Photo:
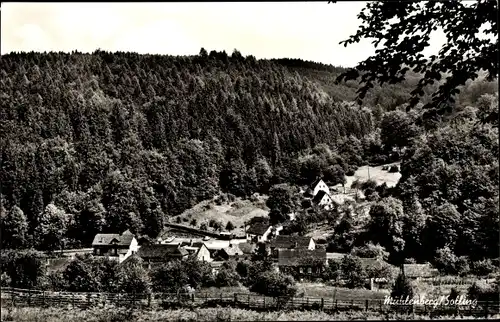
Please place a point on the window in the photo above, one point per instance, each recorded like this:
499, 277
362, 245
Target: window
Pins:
116, 251
301, 270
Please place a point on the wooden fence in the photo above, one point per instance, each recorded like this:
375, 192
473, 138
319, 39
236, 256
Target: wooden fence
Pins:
23, 297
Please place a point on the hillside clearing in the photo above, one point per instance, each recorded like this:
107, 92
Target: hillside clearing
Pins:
375, 173
238, 212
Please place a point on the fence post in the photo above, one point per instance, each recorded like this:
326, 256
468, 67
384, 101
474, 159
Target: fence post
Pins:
13, 299
221, 297
352, 304
486, 309
380, 305
336, 304
366, 305
73, 300
322, 304
29, 297
248, 303
234, 299
43, 298
149, 299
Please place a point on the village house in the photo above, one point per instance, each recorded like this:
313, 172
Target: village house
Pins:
157, 254
291, 242
233, 251
323, 199
418, 271
317, 186
247, 249
302, 262
258, 232
115, 246
198, 250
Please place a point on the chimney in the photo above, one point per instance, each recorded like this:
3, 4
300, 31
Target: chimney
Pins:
230, 245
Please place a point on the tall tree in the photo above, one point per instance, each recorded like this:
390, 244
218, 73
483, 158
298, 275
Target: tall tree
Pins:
402, 30
14, 228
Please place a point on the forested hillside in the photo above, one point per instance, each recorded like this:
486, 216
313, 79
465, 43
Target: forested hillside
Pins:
110, 141
130, 139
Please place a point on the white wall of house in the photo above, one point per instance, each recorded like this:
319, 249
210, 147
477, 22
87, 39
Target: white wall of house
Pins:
321, 186
204, 254
326, 202
131, 250
312, 244
260, 238
266, 234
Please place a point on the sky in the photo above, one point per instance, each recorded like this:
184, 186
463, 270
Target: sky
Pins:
306, 30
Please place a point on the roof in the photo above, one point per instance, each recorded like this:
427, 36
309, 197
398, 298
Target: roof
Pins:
287, 241
315, 183
317, 198
161, 251
335, 255
258, 228
246, 248
294, 257
124, 239
233, 250
215, 264
420, 270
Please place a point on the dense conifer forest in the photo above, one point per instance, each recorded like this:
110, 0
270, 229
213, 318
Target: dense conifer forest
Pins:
114, 141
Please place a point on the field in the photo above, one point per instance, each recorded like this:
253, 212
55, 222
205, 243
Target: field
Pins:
376, 173
344, 294
208, 314
238, 212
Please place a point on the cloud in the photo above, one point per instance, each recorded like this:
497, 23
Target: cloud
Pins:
307, 30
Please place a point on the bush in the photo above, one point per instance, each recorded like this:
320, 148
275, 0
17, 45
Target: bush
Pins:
227, 276
445, 261
229, 226
369, 184
26, 269
238, 204
371, 195
231, 197
272, 283
203, 226
370, 251
178, 220
215, 224
353, 272
402, 288
321, 241
483, 267
5, 280
184, 219
193, 222
221, 199
243, 268
394, 169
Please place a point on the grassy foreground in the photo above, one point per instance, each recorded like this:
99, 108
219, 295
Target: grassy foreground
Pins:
209, 314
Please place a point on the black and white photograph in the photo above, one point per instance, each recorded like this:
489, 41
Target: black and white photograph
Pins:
249, 161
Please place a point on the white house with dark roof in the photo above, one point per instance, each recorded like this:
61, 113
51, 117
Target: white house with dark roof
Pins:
259, 232
317, 186
323, 199
115, 246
